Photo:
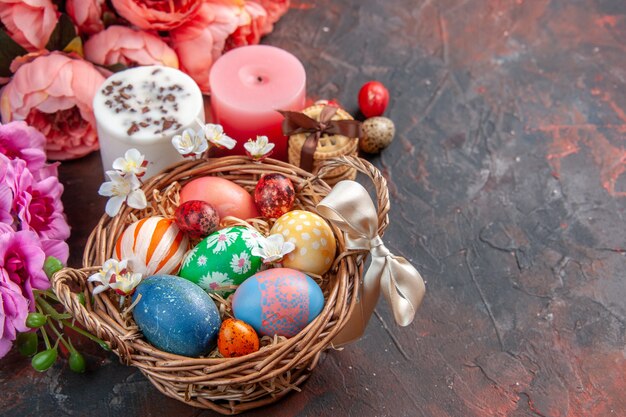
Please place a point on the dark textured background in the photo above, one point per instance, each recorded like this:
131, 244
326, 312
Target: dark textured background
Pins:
507, 193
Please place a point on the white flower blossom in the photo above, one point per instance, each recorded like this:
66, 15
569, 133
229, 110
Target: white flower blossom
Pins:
110, 269
133, 162
215, 134
273, 248
190, 143
259, 149
125, 284
122, 188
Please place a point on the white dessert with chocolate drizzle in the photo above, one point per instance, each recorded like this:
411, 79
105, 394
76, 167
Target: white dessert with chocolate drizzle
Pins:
143, 108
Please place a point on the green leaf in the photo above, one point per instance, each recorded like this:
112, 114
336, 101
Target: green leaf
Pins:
9, 50
76, 46
116, 67
62, 34
109, 19
27, 343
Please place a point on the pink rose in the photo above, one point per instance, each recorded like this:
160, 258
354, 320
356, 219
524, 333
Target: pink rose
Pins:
252, 22
157, 14
20, 141
29, 22
54, 94
21, 263
275, 10
201, 41
119, 44
86, 14
13, 312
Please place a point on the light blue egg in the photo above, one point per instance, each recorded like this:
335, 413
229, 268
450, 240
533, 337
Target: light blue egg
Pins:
176, 315
278, 301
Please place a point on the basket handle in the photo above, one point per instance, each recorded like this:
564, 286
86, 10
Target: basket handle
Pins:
85, 316
365, 167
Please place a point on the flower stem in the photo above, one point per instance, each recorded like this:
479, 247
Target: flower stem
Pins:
48, 309
45, 338
61, 338
88, 335
51, 294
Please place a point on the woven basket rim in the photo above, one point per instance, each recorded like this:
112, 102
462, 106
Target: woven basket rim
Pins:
225, 385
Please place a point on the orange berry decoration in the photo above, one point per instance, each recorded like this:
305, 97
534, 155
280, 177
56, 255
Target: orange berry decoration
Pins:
236, 338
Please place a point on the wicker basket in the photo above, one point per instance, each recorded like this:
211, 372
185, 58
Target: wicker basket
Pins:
328, 147
226, 385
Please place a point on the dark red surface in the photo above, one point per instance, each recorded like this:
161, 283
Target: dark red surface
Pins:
508, 193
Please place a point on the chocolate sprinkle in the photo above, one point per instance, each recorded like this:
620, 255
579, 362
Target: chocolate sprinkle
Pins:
134, 128
167, 99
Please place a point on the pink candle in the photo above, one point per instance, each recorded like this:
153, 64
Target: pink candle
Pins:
248, 85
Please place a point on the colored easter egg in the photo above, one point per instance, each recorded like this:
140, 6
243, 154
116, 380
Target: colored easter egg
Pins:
373, 98
278, 301
176, 315
274, 195
228, 198
223, 260
197, 218
236, 338
314, 240
377, 133
154, 245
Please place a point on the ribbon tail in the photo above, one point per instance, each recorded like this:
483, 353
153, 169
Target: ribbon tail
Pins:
308, 151
403, 287
368, 297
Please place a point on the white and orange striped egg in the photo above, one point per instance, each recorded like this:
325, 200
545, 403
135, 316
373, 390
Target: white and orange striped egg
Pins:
154, 245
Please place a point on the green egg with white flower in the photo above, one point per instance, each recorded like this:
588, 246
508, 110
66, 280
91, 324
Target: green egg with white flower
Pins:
223, 260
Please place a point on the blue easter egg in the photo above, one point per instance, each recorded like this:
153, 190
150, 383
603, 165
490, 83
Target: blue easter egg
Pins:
278, 301
176, 315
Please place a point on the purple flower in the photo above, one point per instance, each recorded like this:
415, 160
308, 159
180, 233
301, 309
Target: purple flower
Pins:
13, 312
21, 262
20, 141
6, 202
37, 204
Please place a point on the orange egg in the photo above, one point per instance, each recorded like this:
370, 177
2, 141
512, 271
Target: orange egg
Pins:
237, 338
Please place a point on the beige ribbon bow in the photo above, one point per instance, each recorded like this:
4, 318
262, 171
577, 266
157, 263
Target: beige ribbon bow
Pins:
351, 209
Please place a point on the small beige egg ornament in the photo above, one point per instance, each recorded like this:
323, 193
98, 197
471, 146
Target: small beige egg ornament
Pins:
378, 133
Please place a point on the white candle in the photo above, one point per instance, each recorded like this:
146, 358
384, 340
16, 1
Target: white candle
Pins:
143, 108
